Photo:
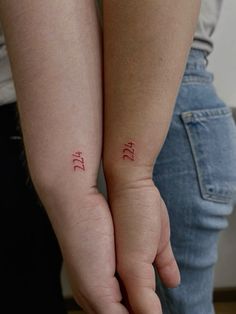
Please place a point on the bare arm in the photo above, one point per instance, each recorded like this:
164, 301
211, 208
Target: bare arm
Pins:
55, 54
146, 44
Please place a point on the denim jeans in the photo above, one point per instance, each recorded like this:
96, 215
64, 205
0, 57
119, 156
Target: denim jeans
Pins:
195, 173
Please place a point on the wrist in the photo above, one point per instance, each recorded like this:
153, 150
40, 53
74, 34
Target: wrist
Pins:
61, 193
127, 163
120, 177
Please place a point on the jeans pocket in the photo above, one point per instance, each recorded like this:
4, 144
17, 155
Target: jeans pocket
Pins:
212, 137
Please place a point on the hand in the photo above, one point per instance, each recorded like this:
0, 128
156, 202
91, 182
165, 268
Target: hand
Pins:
86, 238
142, 236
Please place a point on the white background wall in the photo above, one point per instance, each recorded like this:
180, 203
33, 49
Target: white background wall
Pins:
223, 59
222, 63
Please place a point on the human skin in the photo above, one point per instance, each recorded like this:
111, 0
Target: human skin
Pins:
55, 54
53, 96
146, 44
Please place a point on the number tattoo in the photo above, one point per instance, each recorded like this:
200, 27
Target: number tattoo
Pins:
129, 151
78, 161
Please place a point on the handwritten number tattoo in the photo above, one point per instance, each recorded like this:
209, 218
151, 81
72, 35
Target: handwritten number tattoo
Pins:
129, 151
78, 161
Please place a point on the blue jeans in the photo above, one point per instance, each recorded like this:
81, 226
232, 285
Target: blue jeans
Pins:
195, 173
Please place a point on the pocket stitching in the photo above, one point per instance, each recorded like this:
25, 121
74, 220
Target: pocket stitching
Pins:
198, 115
199, 172
191, 79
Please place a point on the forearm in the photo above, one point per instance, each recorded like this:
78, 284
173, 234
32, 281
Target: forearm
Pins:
146, 44
55, 55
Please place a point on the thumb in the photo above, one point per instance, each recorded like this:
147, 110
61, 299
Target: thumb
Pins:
165, 261
167, 267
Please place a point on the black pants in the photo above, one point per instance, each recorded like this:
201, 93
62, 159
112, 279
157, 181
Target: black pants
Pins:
31, 257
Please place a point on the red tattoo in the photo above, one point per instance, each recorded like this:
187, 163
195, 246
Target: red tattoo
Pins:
78, 161
129, 151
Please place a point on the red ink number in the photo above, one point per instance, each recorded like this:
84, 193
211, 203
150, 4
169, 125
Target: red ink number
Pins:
129, 151
78, 162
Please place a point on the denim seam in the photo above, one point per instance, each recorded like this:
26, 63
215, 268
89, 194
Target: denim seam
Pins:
195, 83
205, 114
196, 80
195, 119
193, 151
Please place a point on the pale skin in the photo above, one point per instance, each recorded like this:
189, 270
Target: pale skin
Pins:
55, 52
56, 58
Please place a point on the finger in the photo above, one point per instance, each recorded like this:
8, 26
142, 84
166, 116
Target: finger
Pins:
109, 299
139, 283
124, 300
102, 298
167, 267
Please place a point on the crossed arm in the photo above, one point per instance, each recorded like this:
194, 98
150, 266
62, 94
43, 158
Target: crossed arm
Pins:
55, 51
